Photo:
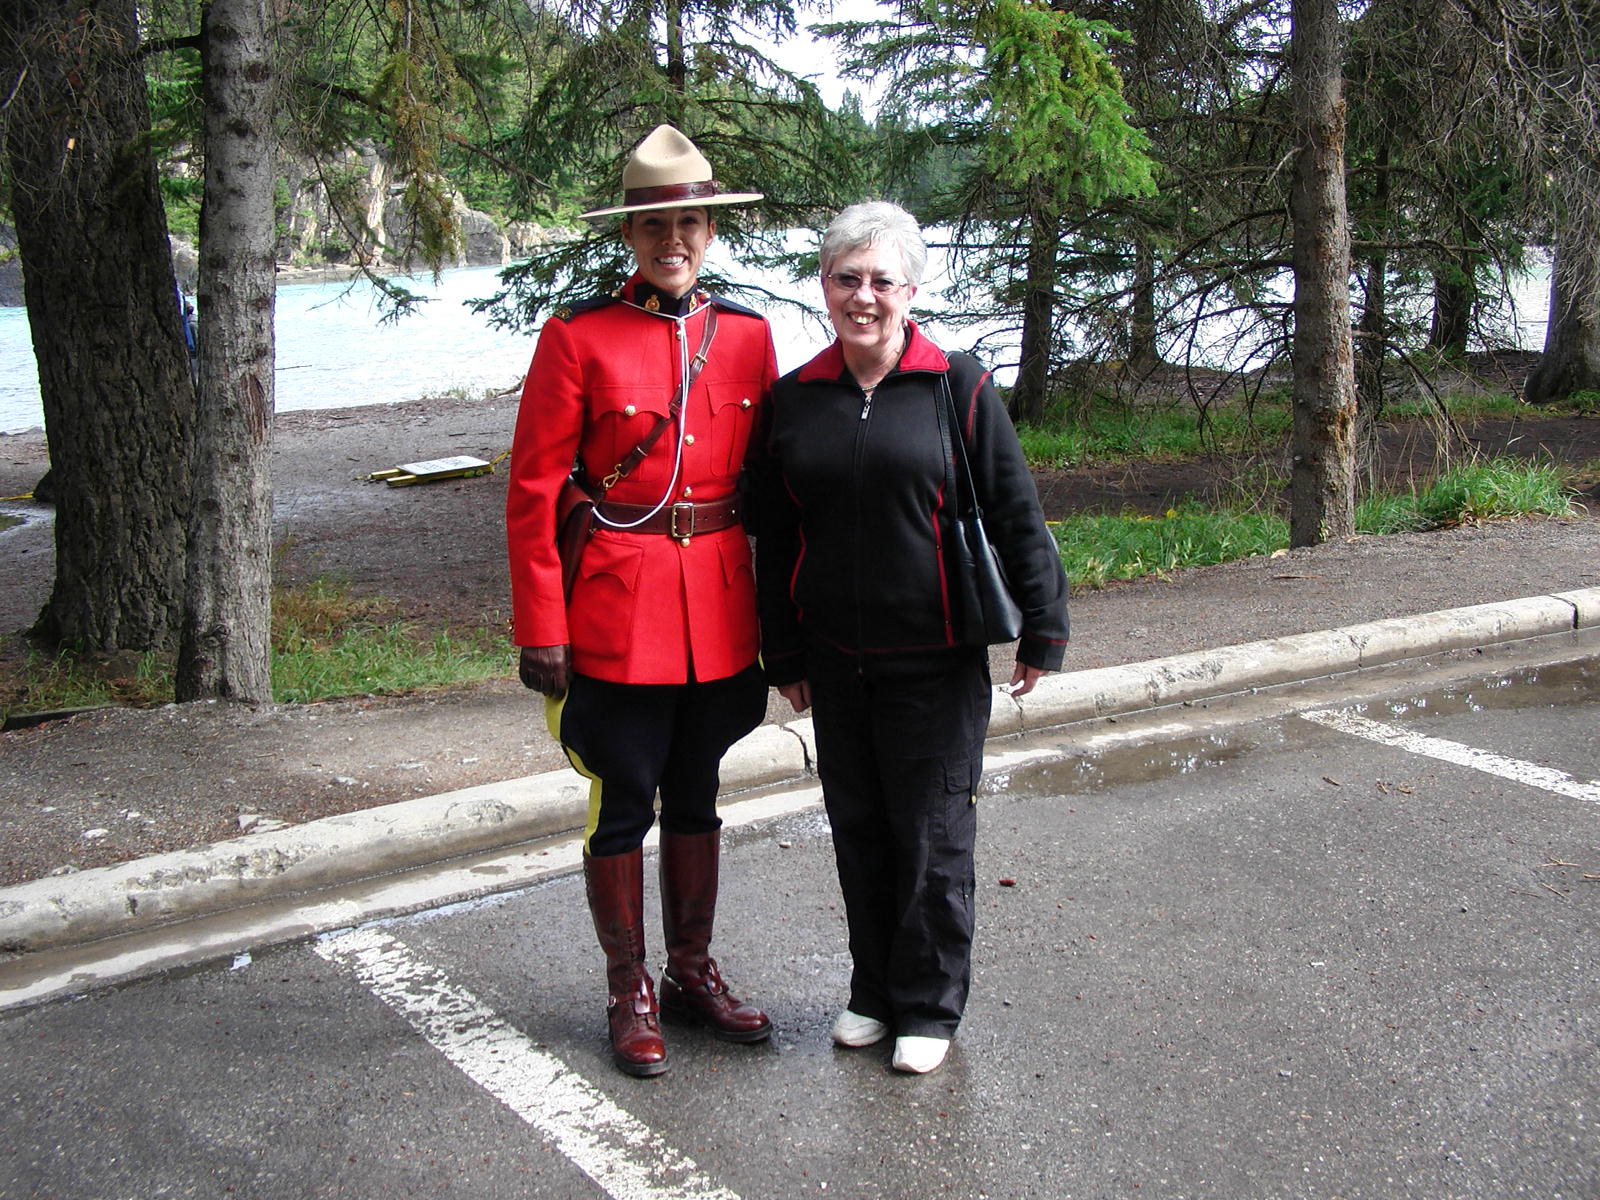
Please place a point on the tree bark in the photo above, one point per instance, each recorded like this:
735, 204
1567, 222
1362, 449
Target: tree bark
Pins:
226, 648
677, 64
1322, 477
104, 309
1143, 353
1372, 348
1571, 361
1029, 395
1453, 297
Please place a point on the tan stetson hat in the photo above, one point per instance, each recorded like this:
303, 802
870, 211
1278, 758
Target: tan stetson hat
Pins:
666, 171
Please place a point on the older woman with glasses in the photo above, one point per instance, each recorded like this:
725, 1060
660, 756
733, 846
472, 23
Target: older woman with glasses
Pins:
854, 486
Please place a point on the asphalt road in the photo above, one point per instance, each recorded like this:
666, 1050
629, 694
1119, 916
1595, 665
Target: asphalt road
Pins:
1339, 948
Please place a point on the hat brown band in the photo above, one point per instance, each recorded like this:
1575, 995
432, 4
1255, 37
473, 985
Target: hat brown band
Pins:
671, 193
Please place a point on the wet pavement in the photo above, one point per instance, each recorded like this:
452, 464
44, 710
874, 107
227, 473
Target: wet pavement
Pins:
1336, 943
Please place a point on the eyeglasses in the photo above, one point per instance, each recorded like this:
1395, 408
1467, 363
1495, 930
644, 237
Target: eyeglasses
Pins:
849, 281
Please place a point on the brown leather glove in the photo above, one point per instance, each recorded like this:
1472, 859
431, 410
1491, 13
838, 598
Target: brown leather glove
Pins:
546, 669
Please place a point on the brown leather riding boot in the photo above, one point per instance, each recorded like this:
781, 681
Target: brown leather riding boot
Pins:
616, 901
692, 987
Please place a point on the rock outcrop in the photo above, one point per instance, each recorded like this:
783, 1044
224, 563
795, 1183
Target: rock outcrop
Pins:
373, 224
370, 226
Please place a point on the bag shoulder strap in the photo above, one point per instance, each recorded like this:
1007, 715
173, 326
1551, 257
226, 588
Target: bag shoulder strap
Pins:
945, 412
960, 455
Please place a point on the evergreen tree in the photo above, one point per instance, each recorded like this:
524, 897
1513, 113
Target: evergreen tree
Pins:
1546, 77
626, 68
1027, 99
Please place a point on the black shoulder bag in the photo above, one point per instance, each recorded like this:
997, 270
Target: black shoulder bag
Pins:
985, 612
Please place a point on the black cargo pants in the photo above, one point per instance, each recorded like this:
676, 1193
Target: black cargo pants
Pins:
900, 753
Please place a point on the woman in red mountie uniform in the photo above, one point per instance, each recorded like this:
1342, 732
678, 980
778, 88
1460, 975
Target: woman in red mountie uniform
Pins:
650, 670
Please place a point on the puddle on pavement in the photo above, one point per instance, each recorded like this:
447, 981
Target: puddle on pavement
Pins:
1079, 771
1552, 685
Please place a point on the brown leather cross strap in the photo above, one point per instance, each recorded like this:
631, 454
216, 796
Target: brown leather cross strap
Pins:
681, 521
637, 454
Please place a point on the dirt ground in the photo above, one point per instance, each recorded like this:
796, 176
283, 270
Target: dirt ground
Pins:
110, 786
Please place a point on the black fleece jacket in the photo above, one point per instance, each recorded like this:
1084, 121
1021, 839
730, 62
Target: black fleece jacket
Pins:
850, 503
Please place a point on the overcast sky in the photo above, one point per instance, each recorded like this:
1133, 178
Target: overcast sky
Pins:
813, 58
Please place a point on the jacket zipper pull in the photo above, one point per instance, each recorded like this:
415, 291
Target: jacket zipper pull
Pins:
866, 401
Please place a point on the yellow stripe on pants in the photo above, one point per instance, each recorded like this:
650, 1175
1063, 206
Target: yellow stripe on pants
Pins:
552, 718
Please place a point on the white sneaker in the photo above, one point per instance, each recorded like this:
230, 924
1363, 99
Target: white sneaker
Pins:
852, 1029
919, 1055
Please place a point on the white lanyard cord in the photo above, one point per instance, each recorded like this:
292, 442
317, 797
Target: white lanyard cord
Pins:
677, 461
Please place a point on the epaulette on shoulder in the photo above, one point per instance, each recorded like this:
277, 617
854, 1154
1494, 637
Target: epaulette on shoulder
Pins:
567, 311
724, 303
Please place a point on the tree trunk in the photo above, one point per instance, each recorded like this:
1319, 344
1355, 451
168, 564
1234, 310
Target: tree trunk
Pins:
1038, 316
1372, 348
677, 63
1322, 479
1571, 361
1371, 356
103, 306
1454, 294
226, 650
1143, 354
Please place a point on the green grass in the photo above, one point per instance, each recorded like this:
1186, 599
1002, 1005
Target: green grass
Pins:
1122, 433
1496, 487
68, 679
326, 643
1497, 406
384, 659
1096, 549
1112, 432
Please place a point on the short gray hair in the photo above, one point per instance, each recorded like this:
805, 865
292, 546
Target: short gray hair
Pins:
876, 223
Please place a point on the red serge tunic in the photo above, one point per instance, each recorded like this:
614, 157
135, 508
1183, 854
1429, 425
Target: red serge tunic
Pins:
645, 608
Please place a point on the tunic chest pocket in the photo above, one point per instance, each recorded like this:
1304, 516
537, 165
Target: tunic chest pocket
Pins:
619, 419
733, 414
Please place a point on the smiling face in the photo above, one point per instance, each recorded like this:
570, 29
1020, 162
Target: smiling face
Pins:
669, 244
870, 327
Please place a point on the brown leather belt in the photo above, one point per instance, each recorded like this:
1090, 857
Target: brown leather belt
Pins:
681, 521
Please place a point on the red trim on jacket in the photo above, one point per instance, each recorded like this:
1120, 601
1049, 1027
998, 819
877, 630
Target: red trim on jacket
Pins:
919, 355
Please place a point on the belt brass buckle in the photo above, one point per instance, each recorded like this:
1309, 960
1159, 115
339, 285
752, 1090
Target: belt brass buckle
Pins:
679, 531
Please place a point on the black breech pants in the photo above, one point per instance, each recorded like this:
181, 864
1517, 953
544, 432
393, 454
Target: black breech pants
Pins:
900, 753
632, 740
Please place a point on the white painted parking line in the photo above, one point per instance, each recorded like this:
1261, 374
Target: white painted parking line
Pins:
1532, 774
620, 1153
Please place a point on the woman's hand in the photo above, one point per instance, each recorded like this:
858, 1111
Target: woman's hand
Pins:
546, 669
1022, 681
797, 694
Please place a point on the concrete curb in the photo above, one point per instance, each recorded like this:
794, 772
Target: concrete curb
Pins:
90, 905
